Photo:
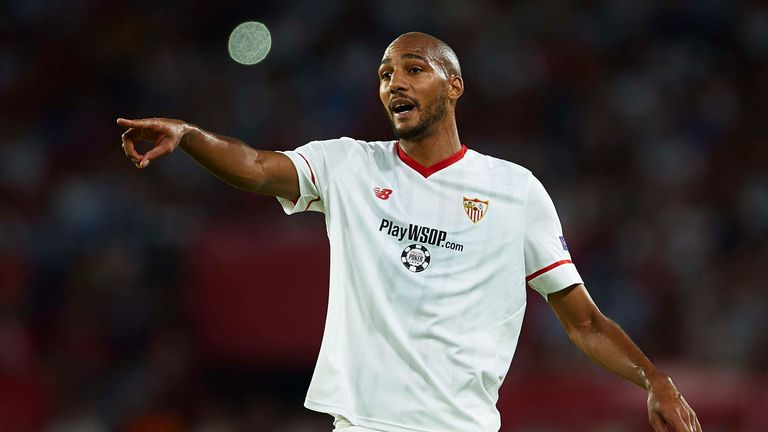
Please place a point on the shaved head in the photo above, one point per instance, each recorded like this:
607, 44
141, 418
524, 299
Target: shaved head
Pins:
419, 85
433, 48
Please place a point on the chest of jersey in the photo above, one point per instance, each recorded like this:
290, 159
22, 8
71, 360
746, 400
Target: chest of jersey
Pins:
453, 239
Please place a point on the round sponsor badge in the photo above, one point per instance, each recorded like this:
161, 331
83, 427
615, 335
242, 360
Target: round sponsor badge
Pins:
415, 258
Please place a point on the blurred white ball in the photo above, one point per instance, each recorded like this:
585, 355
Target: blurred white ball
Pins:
249, 43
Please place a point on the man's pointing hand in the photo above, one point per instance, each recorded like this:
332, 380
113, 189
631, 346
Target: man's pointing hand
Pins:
165, 134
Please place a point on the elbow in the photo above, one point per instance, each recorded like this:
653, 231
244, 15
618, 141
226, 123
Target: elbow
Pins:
591, 323
253, 178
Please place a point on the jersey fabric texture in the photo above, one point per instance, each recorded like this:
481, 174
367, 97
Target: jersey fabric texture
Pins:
428, 276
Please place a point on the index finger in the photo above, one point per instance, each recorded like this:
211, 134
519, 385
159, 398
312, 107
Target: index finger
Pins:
128, 123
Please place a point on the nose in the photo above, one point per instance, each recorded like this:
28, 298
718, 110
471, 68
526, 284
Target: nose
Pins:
397, 82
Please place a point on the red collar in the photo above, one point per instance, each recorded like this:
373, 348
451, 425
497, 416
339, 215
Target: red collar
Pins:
428, 171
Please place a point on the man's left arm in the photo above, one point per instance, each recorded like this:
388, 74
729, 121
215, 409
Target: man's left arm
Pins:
606, 343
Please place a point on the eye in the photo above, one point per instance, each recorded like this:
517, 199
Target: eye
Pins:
386, 76
414, 69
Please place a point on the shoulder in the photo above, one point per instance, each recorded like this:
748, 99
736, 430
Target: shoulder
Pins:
346, 155
350, 145
347, 142
519, 181
500, 170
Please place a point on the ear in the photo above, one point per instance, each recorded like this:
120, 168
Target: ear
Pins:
456, 87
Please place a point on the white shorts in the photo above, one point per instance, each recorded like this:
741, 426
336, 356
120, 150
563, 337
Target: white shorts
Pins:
340, 424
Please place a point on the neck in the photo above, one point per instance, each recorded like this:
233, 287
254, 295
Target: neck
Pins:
434, 146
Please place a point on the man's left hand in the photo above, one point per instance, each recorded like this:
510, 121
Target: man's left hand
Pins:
668, 410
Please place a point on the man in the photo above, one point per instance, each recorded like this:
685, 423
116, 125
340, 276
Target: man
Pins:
432, 246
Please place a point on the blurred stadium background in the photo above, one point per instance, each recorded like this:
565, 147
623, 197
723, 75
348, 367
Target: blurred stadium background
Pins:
164, 301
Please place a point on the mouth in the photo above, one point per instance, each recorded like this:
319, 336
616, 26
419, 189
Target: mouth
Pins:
402, 107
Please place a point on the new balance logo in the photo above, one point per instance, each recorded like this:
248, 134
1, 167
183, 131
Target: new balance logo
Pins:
382, 194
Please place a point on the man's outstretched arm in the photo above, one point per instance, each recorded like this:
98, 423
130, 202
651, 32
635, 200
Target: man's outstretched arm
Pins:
604, 342
259, 171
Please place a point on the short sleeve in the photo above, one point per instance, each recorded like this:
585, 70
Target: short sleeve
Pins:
309, 161
548, 265
317, 164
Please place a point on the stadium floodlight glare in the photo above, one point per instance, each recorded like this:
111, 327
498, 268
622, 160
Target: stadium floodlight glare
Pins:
249, 43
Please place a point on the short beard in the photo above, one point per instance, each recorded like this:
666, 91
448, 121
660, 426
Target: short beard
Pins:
431, 117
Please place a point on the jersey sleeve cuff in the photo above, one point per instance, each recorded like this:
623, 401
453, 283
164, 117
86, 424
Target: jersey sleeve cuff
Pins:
308, 199
558, 277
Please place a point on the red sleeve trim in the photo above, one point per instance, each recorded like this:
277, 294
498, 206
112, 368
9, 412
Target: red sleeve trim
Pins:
312, 173
536, 274
310, 203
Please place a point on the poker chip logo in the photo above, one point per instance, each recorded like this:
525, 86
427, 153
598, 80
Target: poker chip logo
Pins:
415, 258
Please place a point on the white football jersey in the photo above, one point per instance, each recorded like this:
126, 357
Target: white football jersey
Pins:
427, 281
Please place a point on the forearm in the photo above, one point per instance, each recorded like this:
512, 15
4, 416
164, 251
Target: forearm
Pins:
227, 158
261, 171
606, 343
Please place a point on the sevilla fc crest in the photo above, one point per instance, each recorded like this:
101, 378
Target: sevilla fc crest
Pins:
475, 208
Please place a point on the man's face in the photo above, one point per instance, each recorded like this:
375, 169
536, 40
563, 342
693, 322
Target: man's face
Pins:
412, 87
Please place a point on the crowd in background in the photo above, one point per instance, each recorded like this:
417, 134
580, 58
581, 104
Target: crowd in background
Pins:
646, 122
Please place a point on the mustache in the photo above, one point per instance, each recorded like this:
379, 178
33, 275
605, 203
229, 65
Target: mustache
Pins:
402, 95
